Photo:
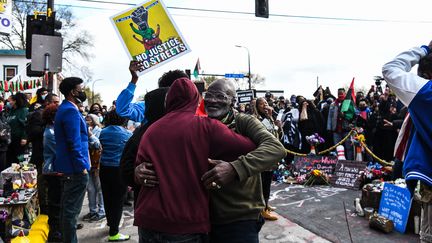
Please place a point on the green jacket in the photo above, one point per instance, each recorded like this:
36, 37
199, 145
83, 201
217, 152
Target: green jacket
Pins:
242, 199
17, 119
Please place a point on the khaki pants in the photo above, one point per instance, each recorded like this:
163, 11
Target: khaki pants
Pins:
426, 214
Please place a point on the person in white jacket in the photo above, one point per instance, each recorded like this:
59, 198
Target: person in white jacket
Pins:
415, 91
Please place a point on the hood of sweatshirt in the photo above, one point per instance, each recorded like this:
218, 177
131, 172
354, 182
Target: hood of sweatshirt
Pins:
182, 96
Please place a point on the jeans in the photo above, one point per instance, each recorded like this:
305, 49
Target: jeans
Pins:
349, 152
54, 200
94, 191
246, 231
149, 236
73, 192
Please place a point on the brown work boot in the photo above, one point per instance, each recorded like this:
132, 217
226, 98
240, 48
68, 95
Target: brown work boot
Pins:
267, 215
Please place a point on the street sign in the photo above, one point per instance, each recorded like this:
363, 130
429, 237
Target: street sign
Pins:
234, 75
245, 96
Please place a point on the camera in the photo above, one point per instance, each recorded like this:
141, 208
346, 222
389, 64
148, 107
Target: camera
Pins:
378, 82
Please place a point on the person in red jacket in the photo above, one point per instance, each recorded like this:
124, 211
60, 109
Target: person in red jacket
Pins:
179, 145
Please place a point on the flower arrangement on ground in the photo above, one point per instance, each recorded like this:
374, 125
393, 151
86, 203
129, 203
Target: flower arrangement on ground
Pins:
314, 140
316, 177
376, 171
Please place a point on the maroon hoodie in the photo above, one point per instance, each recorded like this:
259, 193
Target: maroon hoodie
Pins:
179, 145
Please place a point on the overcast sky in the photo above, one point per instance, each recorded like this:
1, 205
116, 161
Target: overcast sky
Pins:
342, 40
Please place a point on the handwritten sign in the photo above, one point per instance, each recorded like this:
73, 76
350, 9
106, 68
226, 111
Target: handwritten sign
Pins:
245, 96
347, 174
395, 205
5, 17
305, 164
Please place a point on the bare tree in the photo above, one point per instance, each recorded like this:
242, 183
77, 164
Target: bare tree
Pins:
76, 42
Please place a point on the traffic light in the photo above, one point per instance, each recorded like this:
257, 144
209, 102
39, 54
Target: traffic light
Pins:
53, 25
40, 25
35, 25
31, 73
262, 8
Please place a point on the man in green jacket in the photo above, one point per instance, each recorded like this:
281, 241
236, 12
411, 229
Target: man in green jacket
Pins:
236, 199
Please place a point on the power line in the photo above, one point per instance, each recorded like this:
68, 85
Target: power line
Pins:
233, 12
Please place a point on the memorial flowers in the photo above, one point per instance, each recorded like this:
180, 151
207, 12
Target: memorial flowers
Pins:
314, 140
316, 177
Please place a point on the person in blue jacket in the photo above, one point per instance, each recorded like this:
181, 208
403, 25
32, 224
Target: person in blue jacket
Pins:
415, 91
113, 139
135, 111
72, 157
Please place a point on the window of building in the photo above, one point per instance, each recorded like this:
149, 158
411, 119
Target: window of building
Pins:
9, 72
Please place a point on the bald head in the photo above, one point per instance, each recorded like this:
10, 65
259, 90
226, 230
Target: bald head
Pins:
223, 85
219, 98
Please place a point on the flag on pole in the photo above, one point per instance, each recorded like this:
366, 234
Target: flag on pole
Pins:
197, 69
6, 86
349, 103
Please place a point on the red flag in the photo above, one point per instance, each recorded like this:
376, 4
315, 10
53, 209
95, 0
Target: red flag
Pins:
6, 86
201, 110
353, 97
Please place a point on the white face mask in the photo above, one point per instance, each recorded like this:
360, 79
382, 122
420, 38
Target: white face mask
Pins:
101, 119
44, 96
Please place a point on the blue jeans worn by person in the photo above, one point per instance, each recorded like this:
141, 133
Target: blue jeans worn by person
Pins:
349, 152
73, 192
149, 236
94, 190
246, 231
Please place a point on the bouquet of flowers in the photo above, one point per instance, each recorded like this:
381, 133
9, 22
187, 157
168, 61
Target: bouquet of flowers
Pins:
314, 140
316, 177
376, 171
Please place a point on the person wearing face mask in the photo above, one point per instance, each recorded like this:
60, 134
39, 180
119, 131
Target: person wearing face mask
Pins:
39, 99
17, 118
72, 156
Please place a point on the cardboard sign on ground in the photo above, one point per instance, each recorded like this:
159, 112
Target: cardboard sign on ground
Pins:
305, 164
395, 205
347, 174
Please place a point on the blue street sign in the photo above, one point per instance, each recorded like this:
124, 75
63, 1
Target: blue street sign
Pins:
234, 75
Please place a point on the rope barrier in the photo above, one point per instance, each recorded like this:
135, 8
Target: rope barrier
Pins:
339, 143
381, 161
324, 151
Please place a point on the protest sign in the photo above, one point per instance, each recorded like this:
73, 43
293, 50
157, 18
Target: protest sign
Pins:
305, 164
5, 17
395, 205
347, 174
149, 35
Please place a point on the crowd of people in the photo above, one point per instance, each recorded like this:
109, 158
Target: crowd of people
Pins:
378, 113
200, 167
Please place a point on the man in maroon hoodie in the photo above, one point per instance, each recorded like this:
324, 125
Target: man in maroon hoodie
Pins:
179, 145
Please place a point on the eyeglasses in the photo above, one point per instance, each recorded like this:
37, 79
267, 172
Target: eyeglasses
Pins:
216, 96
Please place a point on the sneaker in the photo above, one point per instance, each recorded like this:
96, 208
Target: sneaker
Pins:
266, 214
88, 216
119, 237
96, 218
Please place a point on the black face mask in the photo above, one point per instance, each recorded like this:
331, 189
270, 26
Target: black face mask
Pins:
81, 97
